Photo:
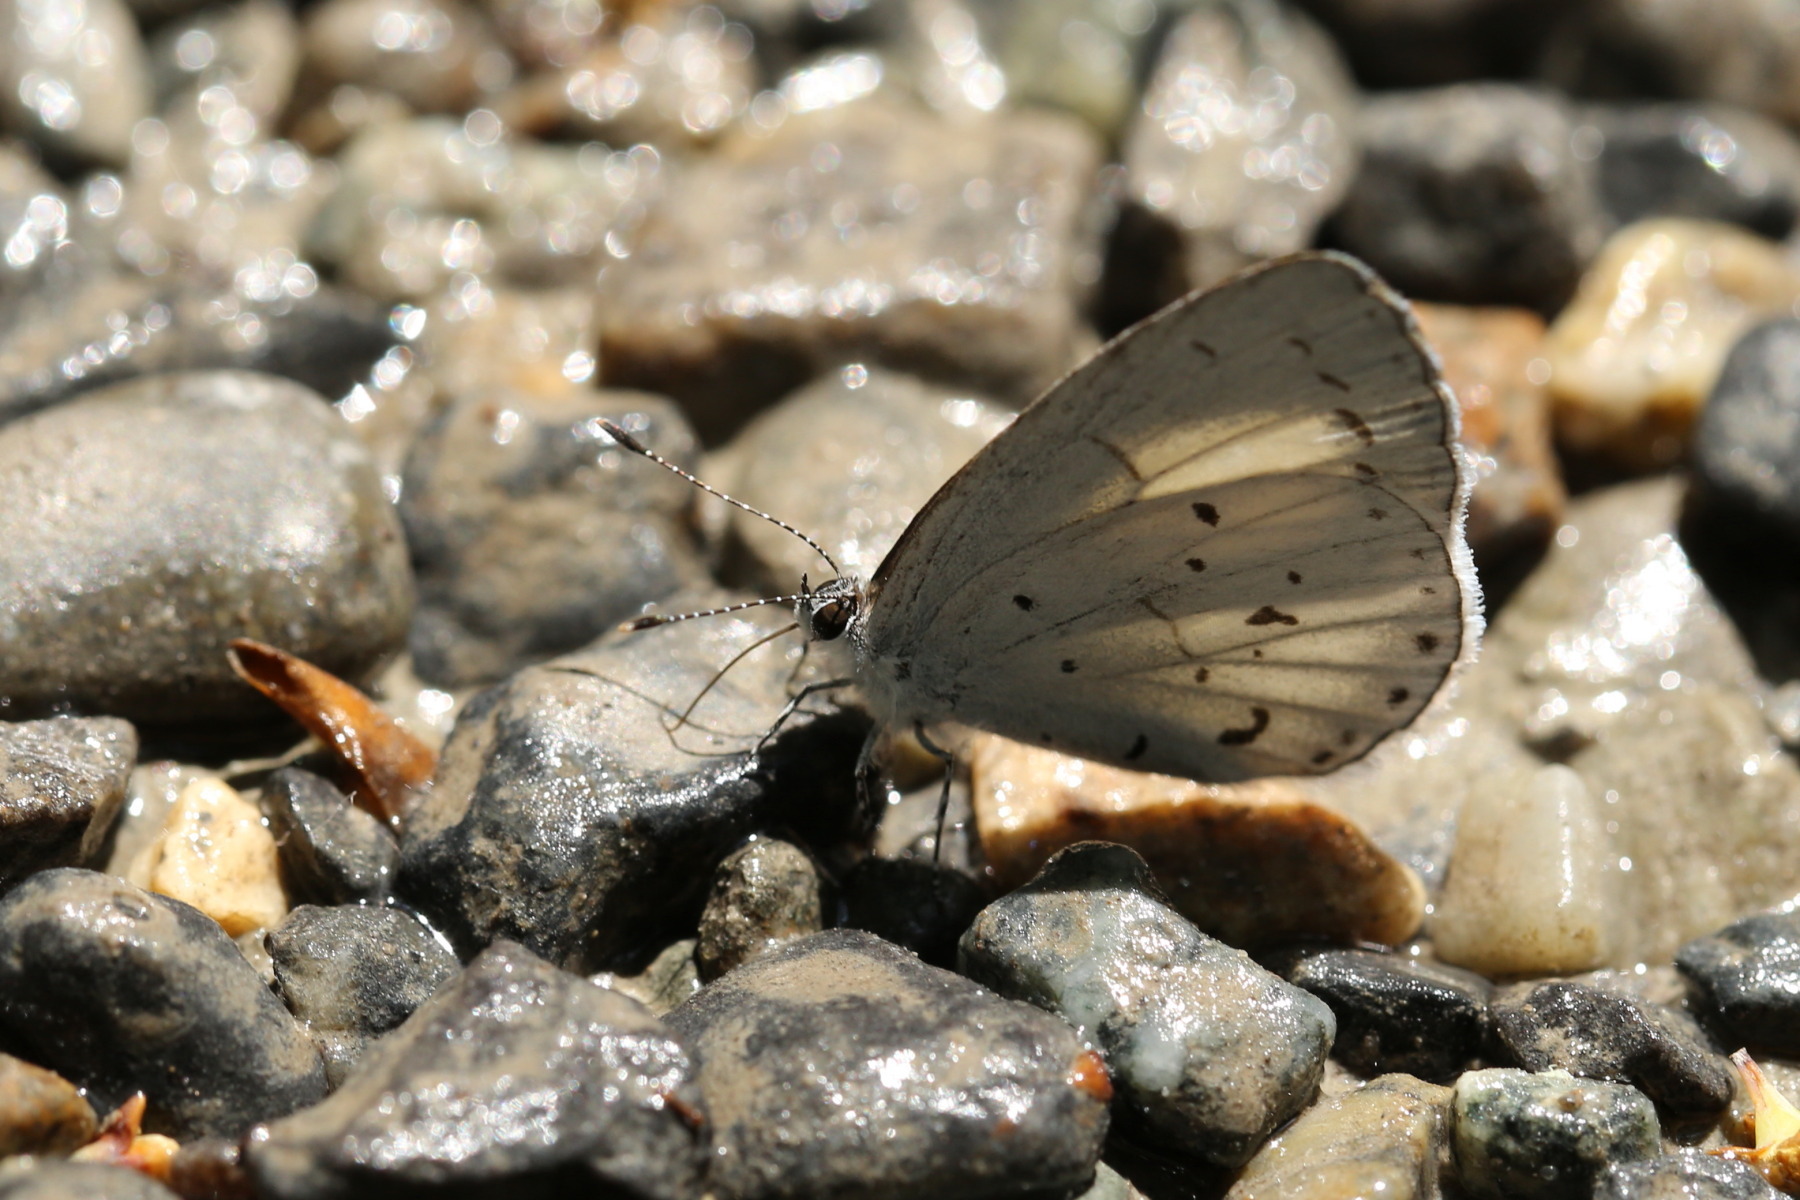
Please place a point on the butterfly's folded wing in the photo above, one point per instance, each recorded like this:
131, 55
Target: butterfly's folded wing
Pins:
1227, 546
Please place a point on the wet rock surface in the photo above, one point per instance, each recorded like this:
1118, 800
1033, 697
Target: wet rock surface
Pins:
576, 1087
1397, 1015
1747, 976
62, 783
40, 1111
1209, 1053
161, 1002
1749, 434
82, 1181
210, 506
765, 894
331, 852
1549, 1134
1684, 1175
918, 905
842, 1022
1388, 1138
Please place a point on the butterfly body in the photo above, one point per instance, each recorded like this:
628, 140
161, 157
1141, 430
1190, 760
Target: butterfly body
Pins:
1229, 545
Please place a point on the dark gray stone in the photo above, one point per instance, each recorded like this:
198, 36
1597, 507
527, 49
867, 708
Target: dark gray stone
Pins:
1710, 162
81, 1181
1521, 1136
1598, 1034
764, 894
912, 903
515, 1079
532, 533
1408, 45
1209, 1052
1684, 1175
120, 991
62, 783
1473, 194
175, 513
352, 973
332, 852
1747, 980
571, 814
1747, 443
1397, 1014
842, 1022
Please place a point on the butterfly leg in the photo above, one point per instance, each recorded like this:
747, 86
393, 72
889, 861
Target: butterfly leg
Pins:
793, 706
949, 761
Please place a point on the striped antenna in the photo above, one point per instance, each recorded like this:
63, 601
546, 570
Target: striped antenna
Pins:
654, 619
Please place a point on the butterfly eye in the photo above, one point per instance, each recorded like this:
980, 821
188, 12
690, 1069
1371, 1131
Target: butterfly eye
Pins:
829, 620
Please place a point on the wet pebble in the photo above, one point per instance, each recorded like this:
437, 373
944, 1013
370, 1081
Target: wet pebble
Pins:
1599, 1034
1397, 1014
62, 785
573, 814
40, 1111
331, 851
122, 991
1747, 977
1747, 445
352, 972
767, 893
841, 1023
1712, 162
1473, 194
515, 1078
186, 510
1209, 1053
1388, 1138
1524, 1136
433, 54
81, 1181
74, 78
923, 906
218, 855
1683, 1175
532, 533
670, 977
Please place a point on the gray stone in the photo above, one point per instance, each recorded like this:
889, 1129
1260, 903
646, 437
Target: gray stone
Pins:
1711, 162
353, 972
763, 895
121, 991
1747, 443
1397, 1014
1407, 44
62, 784
516, 1079
178, 512
1209, 1052
81, 1181
574, 814
1599, 1034
1473, 194
332, 852
668, 979
921, 905
1521, 1136
532, 533
842, 1022
1747, 976
1684, 1175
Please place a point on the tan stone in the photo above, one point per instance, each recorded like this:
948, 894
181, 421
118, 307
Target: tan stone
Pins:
1248, 863
219, 857
1386, 1139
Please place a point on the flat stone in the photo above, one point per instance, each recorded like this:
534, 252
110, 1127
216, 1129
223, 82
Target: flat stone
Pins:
1548, 1136
1637, 351
1473, 194
352, 972
1683, 1175
40, 1111
763, 895
62, 785
1209, 1053
190, 509
1385, 1139
959, 258
1708, 161
1597, 1034
515, 1078
1747, 976
331, 851
121, 991
842, 1022
1397, 1014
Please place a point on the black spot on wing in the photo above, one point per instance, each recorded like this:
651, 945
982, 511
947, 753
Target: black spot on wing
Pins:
1068, 666
1268, 614
1347, 738
1259, 721
1321, 757
1302, 345
1369, 474
1378, 514
1417, 553
1137, 748
1025, 603
1427, 642
1398, 695
1205, 349
1293, 577
1196, 564
1355, 424
1331, 380
1202, 674
1206, 512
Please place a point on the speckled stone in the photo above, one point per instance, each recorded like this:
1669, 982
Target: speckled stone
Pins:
62, 784
764, 894
842, 1022
332, 852
1684, 1175
1210, 1053
190, 509
122, 991
1747, 976
579, 1091
1521, 1136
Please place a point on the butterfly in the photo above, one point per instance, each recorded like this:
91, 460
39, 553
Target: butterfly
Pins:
1228, 545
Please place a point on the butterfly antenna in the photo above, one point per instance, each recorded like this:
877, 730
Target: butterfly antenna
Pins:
626, 441
652, 620
737, 658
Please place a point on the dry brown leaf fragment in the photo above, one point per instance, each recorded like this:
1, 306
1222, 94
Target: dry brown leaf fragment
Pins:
1776, 1123
385, 760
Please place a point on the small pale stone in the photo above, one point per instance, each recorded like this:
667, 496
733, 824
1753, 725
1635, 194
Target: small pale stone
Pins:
219, 857
1532, 880
1251, 862
1635, 354
1385, 1139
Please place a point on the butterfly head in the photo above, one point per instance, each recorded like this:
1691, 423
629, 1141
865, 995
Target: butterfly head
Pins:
827, 611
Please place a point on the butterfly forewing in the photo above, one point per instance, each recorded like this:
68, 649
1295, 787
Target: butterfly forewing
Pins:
1227, 546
